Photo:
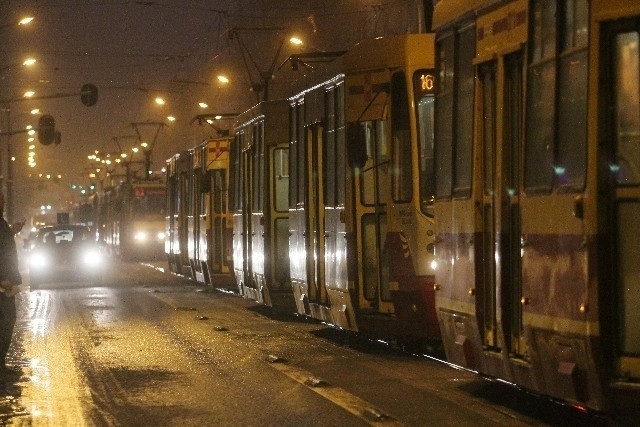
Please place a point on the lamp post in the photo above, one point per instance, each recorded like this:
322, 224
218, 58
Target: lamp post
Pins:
7, 164
260, 85
146, 147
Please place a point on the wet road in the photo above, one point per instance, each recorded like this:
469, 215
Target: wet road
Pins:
150, 348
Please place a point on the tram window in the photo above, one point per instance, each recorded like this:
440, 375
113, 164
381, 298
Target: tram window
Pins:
261, 166
255, 169
487, 74
626, 168
444, 117
513, 118
293, 158
401, 175
219, 178
235, 164
555, 147
372, 172
576, 24
572, 117
544, 30
539, 129
425, 144
328, 155
281, 178
464, 112
340, 145
302, 155
572, 93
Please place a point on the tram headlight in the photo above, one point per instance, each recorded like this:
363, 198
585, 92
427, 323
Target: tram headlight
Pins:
140, 236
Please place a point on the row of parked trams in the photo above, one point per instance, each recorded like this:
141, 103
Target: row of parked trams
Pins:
478, 187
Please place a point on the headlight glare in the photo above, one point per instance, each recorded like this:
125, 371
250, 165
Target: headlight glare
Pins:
92, 257
140, 235
38, 260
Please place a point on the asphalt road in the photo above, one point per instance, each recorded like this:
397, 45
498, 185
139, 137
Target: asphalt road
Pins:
150, 348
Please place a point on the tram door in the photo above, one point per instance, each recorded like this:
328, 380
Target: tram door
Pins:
511, 261
372, 217
624, 146
487, 307
218, 211
315, 226
246, 167
499, 301
183, 218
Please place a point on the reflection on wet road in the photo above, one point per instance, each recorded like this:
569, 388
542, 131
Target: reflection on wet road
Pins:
44, 354
150, 348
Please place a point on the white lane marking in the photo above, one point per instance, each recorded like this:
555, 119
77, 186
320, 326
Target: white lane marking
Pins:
351, 403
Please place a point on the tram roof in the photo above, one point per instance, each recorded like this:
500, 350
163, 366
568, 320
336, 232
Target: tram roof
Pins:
390, 52
447, 11
406, 50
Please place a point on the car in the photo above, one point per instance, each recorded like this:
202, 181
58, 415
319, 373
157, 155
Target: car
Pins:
65, 253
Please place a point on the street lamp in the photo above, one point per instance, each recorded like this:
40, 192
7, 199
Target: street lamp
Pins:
261, 85
21, 23
26, 20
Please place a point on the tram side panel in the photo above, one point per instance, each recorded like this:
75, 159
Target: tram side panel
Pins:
171, 219
215, 250
261, 225
523, 293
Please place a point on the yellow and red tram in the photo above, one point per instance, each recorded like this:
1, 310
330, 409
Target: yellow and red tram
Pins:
131, 219
361, 217
537, 194
179, 183
198, 223
260, 172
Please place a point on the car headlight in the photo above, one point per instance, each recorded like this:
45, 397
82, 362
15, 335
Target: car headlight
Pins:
92, 257
161, 236
140, 235
38, 260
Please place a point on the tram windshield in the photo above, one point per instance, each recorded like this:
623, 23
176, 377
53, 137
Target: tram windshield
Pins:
627, 165
149, 201
423, 86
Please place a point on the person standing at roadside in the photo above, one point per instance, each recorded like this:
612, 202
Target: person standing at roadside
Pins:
9, 281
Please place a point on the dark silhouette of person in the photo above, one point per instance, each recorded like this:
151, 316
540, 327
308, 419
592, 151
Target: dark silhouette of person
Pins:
9, 281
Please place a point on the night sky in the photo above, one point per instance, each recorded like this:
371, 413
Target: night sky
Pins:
134, 51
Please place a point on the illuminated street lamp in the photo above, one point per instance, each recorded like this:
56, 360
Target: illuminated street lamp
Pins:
223, 79
160, 101
29, 62
296, 41
29, 94
26, 20
203, 105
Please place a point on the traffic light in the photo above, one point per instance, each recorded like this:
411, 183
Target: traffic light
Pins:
46, 129
89, 95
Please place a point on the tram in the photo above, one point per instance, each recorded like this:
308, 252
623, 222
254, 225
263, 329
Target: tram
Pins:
360, 199
131, 219
198, 222
260, 170
179, 181
537, 194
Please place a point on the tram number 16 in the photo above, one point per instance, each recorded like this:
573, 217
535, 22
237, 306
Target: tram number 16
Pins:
425, 83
